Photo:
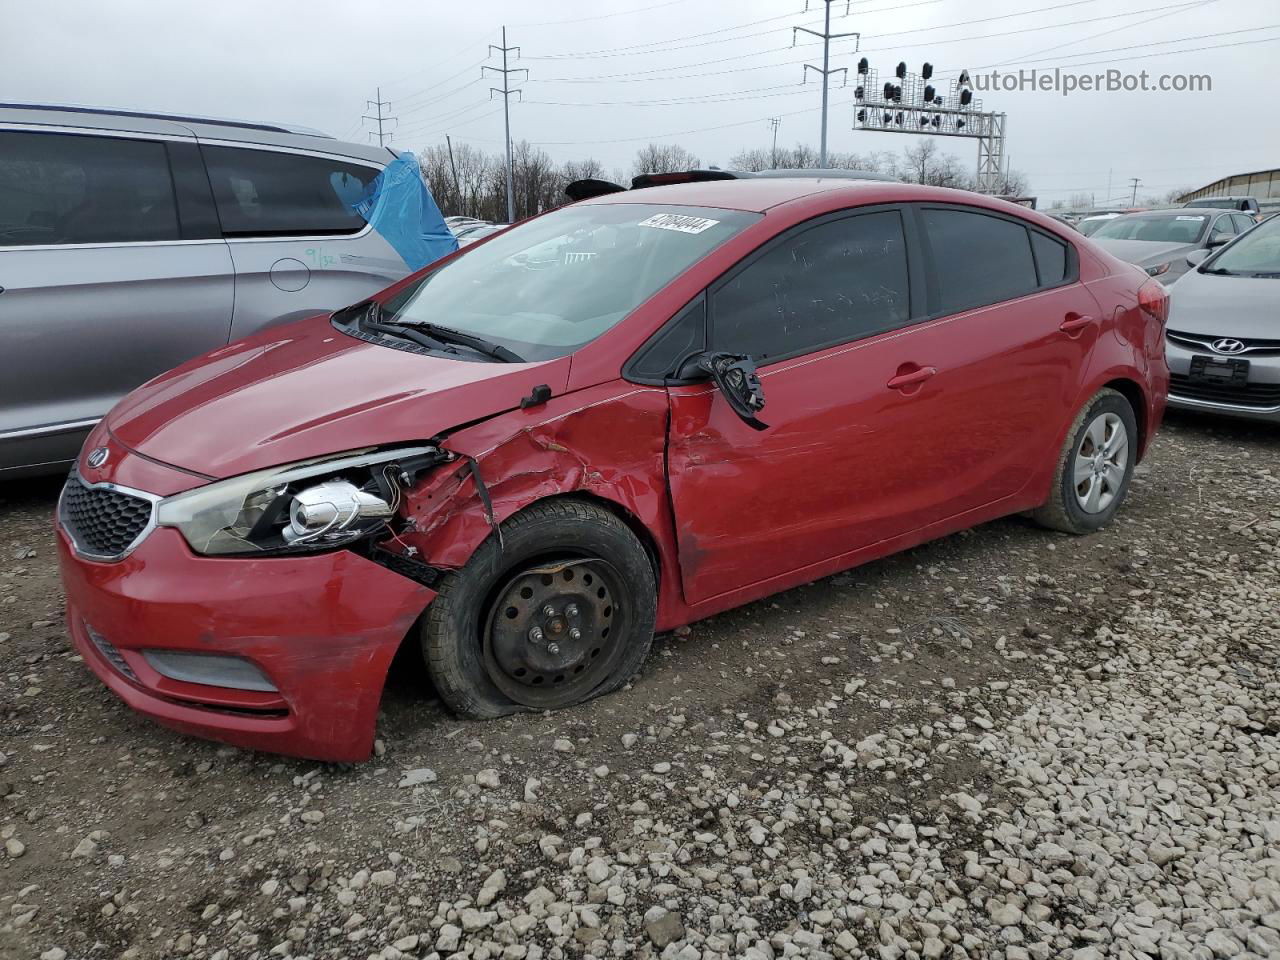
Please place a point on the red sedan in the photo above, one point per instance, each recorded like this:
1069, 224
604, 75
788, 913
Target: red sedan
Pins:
610, 420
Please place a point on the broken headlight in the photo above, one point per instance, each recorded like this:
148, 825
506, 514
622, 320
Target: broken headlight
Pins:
314, 505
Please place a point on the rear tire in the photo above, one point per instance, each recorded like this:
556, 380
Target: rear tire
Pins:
1094, 467
561, 612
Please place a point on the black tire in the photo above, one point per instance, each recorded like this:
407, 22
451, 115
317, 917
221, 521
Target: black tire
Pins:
1064, 511
574, 538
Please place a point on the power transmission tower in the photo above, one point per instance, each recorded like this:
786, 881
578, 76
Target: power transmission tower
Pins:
1133, 202
507, 90
826, 36
379, 117
774, 122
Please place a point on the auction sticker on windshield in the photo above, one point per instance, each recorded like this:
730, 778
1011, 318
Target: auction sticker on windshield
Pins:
679, 223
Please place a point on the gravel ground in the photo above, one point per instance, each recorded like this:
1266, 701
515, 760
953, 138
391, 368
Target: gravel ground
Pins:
1005, 744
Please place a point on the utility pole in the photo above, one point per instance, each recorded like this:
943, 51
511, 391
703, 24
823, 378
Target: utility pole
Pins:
826, 36
457, 187
507, 90
1135, 181
379, 117
773, 122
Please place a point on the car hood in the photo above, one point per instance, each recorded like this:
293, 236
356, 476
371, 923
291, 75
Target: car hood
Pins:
1144, 253
1245, 308
307, 390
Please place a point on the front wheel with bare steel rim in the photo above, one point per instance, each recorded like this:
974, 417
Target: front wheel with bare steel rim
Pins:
1094, 467
558, 611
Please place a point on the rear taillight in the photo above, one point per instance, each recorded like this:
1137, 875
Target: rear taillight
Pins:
1154, 300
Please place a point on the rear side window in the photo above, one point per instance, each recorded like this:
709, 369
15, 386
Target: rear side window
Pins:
269, 193
60, 188
827, 284
1051, 258
978, 259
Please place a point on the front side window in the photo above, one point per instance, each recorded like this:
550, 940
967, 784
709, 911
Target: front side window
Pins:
831, 283
546, 287
978, 259
60, 188
271, 193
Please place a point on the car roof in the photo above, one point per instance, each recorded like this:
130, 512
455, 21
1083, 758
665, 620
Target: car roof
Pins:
757, 195
110, 119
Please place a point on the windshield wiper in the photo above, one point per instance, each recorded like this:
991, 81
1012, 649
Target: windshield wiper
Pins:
1220, 272
449, 335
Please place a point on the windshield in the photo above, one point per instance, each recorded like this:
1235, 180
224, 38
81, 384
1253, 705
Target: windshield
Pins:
1256, 252
545, 287
1178, 228
1218, 204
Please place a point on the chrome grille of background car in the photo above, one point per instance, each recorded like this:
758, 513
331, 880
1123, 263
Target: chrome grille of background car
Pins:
1205, 342
104, 523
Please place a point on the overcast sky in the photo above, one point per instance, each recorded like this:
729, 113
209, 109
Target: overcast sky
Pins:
316, 63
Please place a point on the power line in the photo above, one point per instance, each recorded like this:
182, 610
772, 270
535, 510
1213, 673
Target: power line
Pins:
507, 90
602, 16
379, 104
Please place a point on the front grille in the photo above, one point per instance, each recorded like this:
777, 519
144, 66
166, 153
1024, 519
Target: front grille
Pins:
103, 522
1205, 342
1259, 395
111, 654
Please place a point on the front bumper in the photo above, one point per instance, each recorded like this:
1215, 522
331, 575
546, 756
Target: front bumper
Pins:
321, 628
1260, 401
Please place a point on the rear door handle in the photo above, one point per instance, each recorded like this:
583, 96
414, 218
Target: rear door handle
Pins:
1074, 323
905, 380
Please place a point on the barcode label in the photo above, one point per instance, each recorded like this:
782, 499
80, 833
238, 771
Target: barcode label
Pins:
678, 222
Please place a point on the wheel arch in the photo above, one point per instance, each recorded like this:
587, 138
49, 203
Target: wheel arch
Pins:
1132, 391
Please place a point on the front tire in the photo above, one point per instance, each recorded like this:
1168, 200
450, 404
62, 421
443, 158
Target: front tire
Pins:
559, 612
1094, 468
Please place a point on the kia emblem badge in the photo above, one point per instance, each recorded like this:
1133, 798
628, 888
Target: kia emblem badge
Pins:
97, 457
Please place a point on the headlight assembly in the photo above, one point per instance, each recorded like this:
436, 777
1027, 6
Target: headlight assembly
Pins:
1159, 269
317, 504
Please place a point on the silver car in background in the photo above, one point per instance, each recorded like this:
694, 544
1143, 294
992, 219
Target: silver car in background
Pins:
131, 242
1223, 335
1159, 241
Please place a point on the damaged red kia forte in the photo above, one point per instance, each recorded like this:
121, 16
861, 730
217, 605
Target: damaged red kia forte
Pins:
610, 420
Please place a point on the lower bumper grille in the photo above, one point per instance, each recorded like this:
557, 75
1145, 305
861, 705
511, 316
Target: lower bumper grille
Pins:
110, 653
1257, 395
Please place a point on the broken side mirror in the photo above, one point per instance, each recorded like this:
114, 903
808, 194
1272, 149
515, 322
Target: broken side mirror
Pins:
737, 379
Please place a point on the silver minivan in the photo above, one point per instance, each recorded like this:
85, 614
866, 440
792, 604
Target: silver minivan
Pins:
130, 242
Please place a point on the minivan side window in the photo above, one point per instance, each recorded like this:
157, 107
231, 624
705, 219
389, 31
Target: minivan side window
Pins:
828, 284
64, 188
978, 259
272, 193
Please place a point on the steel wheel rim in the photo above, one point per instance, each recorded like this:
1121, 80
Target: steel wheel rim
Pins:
1100, 463
555, 631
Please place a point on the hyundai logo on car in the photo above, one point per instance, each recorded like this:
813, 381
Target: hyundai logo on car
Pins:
1228, 346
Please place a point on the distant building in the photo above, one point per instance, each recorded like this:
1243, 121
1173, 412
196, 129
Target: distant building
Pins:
1264, 185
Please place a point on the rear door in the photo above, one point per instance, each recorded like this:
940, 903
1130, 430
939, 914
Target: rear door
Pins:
297, 246
112, 271
1013, 327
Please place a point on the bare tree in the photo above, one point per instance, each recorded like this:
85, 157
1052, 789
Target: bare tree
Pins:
664, 158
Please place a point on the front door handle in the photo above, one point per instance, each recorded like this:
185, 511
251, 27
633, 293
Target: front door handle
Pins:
1074, 322
911, 378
